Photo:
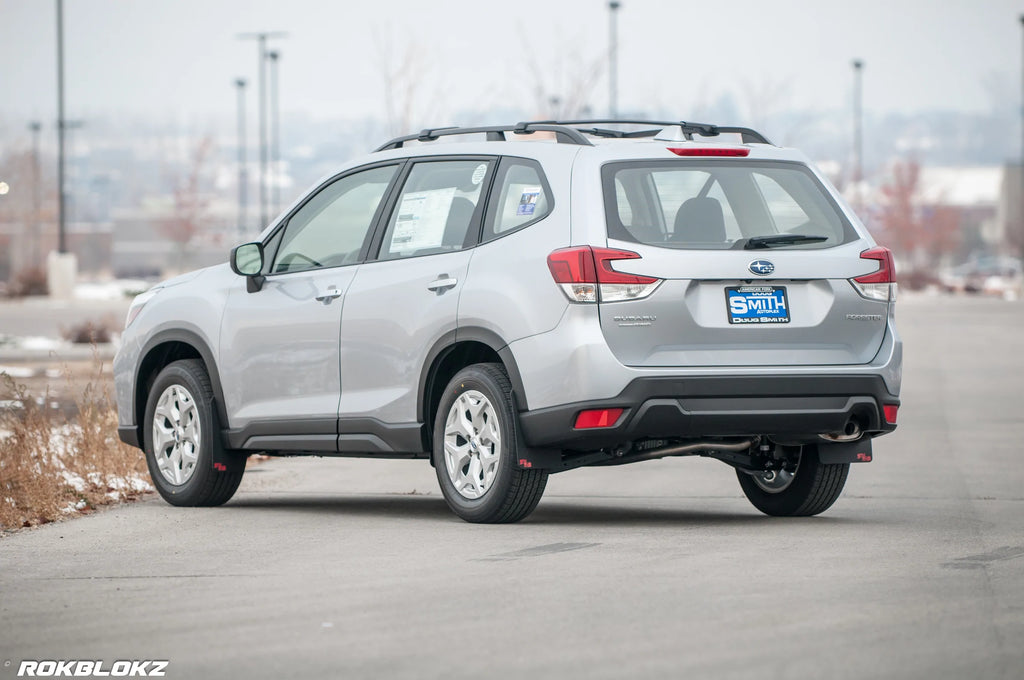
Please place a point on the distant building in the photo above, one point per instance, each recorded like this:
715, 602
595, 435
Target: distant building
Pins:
974, 192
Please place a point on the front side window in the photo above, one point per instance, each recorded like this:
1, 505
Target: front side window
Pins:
436, 211
331, 228
721, 205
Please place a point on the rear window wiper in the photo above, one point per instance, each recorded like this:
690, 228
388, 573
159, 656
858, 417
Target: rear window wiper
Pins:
756, 242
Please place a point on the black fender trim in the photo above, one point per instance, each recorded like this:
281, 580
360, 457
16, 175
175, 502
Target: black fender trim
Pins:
195, 341
470, 334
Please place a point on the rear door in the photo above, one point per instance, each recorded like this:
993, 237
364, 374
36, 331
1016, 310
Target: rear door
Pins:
724, 302
400, 304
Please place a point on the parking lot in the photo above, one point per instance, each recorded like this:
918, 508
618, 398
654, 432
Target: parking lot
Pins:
355, 568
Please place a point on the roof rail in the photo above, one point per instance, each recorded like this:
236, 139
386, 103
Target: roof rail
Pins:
563, 134
566, 131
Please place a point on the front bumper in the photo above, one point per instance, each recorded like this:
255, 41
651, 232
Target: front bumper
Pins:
786, 407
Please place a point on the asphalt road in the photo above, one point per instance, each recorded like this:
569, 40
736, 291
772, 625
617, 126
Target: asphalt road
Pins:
355, 569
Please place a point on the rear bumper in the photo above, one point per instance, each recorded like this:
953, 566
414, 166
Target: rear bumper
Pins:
786, 407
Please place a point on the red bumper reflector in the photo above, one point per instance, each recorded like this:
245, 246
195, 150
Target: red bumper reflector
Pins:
890, 413
602, 417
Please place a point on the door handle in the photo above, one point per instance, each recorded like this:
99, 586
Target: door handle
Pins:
328, 295
442, 284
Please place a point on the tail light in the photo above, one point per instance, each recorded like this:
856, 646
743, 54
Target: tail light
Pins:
585, 274
880, 284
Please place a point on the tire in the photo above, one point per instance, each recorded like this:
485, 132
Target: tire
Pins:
811, 490
488, 487
187, 424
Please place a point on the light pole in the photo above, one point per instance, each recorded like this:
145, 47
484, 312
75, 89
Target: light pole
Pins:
243, 175
71, 178
1020, 217
613, 58
61, 237
261, 43
275, 133
858, 132
35, 126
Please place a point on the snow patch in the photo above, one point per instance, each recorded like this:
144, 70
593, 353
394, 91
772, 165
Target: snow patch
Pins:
18, 371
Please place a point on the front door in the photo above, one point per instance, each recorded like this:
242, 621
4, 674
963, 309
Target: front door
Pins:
280, 361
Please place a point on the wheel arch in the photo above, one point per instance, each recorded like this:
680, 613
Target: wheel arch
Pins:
451, 353
165, 348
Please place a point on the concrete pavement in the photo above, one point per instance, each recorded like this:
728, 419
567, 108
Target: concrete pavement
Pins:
354, 568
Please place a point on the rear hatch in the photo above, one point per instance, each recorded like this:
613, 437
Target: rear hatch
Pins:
737, 262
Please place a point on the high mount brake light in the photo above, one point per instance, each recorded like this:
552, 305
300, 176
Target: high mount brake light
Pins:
881, 284
707, 151
585, 274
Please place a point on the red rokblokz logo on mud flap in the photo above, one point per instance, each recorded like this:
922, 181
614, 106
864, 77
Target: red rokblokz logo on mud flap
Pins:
74, 668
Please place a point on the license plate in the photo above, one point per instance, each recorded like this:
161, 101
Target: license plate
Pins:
757, 304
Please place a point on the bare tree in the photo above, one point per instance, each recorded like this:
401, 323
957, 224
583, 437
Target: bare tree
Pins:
563, 87
190, 204
918, 231
410, 96
18, 207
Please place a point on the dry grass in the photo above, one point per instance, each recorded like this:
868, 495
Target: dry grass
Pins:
52, 466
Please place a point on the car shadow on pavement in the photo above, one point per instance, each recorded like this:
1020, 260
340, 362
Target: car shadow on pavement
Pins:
382, 505
623, 511
634, 512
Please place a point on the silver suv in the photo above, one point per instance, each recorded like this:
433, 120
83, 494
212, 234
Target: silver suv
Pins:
514, 301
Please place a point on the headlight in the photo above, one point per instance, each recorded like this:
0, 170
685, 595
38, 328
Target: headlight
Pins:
138, 303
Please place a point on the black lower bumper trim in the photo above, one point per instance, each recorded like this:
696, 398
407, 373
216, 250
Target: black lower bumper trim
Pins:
781, 406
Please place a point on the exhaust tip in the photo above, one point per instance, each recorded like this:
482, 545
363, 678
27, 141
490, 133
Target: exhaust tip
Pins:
851, 432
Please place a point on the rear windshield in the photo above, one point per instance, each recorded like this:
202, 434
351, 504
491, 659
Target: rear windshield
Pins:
717, 205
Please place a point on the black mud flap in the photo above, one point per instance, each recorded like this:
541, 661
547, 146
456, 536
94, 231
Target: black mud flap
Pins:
540, 459
844, 452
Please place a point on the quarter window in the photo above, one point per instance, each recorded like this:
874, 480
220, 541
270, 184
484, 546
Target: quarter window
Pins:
521, 197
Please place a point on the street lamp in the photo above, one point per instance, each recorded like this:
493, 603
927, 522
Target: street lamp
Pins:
243, 175
36, 127
613, 58
858, 131
61, 224
275, 133
261, 42
1020, 218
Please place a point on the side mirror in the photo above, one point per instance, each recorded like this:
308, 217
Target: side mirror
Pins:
247, 260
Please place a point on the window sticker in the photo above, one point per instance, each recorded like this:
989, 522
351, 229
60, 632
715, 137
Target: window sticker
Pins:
422, 217
528, 201
478, 173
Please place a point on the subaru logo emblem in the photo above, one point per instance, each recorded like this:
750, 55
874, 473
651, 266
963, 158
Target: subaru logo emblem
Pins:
762, 267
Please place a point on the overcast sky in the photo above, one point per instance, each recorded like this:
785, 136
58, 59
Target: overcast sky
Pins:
180, 57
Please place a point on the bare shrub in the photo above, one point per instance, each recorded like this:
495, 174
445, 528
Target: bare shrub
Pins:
52, 466
31, 281
90, 332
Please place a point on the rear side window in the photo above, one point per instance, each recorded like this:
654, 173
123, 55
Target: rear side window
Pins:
521, 196
719, 204
437, 209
